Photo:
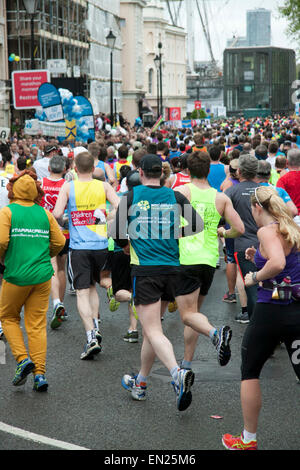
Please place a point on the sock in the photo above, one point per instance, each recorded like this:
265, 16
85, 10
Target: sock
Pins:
90, 335
213, 335
141, 380
55, 302
174, 373
248, 437
95, 321
186, 364
244, 310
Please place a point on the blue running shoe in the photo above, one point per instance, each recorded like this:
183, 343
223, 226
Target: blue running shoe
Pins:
183, 389
222, 344
40, 383
23, 369
138, 392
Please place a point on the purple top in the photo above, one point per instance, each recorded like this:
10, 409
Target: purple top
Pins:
234, 182
292, 269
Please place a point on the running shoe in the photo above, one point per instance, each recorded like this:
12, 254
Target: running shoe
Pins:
113, 304
57, 318
229, 298
23, 369
237, 443
131, 337
109, 293
40, 383
90, 350
222, 344
172, 307
98, 336
242, 318
182, 389
65, 316
138, 392
72, 291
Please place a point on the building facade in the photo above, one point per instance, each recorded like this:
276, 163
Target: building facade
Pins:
132, 33
4, 72
103, 16
259, 80
174, 68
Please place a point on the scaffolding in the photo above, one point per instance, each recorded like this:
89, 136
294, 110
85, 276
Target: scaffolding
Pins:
59, 33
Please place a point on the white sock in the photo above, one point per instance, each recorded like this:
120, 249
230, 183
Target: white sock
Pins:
55, 302
248, 437
174, 373
90, 335
95, 321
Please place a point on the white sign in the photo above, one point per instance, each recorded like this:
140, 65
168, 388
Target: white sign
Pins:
76, 71
4, 133
249, 75
57, 66
54, 129
54, 113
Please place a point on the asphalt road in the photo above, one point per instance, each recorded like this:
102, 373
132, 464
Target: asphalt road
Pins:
86, 406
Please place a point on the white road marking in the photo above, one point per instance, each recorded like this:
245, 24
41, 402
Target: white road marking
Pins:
38, 438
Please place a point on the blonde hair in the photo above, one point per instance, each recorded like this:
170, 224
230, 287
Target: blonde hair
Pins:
270, 201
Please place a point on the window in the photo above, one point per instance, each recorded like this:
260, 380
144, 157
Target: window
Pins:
150, 81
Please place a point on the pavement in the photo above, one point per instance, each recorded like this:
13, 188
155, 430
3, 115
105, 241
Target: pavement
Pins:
86, 405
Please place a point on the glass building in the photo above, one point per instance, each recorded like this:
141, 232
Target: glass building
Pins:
258, 80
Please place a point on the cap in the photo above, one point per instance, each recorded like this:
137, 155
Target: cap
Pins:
151, 163
133, 179
234, 164
248, 164
50, 148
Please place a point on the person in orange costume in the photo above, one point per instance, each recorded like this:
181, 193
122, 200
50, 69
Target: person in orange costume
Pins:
29, 237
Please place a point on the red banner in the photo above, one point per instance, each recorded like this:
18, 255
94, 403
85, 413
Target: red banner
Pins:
198, 104
25, 85
174, 114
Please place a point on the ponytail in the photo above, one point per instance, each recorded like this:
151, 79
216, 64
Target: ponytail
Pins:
268, 199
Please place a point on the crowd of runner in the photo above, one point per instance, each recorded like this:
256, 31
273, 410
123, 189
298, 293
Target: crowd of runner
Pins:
147, 215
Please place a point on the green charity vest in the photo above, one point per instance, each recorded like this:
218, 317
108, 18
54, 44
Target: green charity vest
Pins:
27, 259
202, 248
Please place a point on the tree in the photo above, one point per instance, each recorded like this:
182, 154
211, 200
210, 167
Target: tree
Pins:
198, 114
291, 11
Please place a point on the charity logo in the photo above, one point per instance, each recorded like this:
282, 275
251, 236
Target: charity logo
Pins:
144, 205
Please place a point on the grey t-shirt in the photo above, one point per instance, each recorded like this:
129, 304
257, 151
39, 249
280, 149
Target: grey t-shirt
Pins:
240, 196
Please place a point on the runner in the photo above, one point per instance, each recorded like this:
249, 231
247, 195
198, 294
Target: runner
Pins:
276, 315
199, 256
29, 237
155, 260
51, 187
86, 200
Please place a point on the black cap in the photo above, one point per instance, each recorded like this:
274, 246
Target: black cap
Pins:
133, 179
50, 148
151, 163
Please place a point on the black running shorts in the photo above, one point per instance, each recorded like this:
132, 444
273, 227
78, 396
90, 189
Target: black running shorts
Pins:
85, 266
191, 278
120, 272
150, 289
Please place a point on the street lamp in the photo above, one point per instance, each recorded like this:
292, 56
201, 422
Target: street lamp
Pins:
160, 74
157, 62
111, 40
31, 8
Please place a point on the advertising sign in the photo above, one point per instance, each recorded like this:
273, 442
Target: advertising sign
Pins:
174, 114
50, 100
25, 85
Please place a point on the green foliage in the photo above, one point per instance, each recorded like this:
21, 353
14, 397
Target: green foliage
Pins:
198, 114
291, 11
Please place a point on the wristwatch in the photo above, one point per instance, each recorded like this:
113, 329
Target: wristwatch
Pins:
254, 277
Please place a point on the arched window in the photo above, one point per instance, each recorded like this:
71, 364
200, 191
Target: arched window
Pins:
150, 81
